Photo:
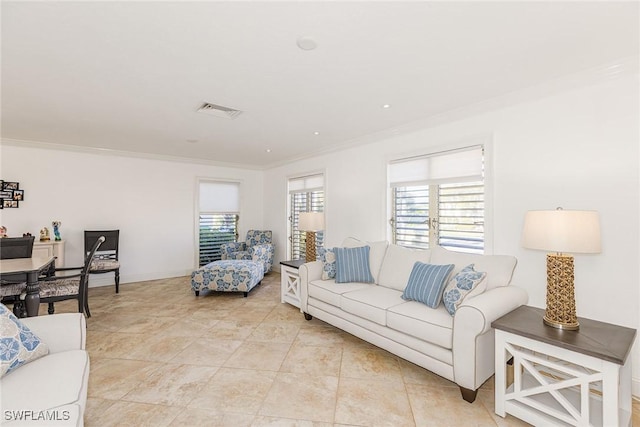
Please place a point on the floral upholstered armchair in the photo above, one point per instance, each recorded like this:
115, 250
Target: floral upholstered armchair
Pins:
257, 247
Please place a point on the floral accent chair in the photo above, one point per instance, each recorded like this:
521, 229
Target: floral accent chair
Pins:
257, 247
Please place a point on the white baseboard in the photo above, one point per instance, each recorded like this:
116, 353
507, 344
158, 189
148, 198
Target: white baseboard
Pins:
107, 279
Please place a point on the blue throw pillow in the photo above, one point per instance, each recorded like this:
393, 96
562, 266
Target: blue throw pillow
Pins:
426, 283
18, 345
352, 265
459, 286
328, 259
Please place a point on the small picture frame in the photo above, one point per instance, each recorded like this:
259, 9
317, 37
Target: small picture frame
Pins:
7, 194
8, 203
10, 185
18, 195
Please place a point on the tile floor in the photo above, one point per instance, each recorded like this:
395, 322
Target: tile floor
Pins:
162, 357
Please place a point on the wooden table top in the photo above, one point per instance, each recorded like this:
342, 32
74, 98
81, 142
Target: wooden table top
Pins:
24, 265
598, 339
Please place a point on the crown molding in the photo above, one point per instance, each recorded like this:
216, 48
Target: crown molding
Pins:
122, 153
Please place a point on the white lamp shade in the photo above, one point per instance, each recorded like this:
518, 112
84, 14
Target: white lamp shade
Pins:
311, 221
562, 231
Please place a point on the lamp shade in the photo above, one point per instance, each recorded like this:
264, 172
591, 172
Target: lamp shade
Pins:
562, 231
311, 221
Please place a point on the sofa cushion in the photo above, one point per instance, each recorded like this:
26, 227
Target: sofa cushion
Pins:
371, 303
352, 265
419, 321
460, 286
377, 252
18, 344
397, 265
49, 382
426, 283
328, 259
329, 291
499, 268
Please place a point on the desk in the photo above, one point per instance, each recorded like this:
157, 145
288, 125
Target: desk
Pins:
31, 268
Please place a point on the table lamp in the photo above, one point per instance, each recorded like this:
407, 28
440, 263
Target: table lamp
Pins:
561, 231
310, 222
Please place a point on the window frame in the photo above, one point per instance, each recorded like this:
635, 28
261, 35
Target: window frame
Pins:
483, 140
198, 212
292, 214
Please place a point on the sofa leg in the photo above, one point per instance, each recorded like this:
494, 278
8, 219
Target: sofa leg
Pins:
307, 316
468, 395
246, 294
197, 293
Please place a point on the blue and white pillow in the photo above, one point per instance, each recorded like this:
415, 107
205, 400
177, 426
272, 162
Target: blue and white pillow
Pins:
18, 345
459, 286
426, 283
328, 258
352, 265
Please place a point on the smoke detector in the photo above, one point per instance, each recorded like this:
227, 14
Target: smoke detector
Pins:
219, 111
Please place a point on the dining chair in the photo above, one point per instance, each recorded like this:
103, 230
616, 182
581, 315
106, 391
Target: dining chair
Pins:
13, 288
106, 259
61, 286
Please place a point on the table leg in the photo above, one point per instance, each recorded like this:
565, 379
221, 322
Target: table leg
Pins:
32, 300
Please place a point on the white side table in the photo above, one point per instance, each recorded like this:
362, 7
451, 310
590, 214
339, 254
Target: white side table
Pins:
290, 282
580, 378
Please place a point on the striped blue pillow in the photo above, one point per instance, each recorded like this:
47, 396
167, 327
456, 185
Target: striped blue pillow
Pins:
352, 265
426, 283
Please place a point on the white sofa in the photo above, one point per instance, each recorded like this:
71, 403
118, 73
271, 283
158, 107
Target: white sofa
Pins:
51, 390
459, 348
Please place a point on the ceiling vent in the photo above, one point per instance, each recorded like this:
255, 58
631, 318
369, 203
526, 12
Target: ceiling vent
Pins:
219, 111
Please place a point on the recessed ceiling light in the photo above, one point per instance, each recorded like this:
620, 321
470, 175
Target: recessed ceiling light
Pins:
268, 150
385, 106
192, 141
306, 43
316, 133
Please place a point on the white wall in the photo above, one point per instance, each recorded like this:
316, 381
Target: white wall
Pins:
577, 149
152, 202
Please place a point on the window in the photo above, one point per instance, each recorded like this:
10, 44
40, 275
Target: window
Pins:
217, 218
306, 194
439, 198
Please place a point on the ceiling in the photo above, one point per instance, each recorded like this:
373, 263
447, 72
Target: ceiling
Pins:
129, 76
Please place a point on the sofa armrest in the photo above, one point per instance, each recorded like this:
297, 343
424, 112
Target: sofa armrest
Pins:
473, 345
61, 332
308, 272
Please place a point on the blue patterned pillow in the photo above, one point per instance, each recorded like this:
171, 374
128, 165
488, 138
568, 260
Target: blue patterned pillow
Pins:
352, 265
328, 258
18, 345
459, 286
426, 283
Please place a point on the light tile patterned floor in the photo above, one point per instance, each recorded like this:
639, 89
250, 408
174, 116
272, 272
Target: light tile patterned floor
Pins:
162, 357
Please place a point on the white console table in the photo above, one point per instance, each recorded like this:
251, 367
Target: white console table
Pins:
48, 249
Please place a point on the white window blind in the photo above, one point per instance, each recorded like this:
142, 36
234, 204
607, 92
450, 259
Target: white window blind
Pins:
462, 165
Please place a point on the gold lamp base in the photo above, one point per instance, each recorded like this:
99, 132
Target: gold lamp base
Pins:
310, 249
561, 302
